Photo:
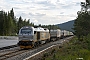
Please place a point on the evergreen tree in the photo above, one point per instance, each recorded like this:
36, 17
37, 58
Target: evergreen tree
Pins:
10, 24
14, 28
1, 23
82, 24
12, 14
20, 23
5, 28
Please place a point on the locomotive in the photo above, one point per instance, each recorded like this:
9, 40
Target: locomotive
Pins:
30, 37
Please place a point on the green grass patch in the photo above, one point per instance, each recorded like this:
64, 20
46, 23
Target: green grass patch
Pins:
74, 50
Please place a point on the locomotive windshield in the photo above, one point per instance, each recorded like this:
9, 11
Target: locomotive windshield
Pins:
26, 31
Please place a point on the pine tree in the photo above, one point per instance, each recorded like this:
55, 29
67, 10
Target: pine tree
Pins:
5, 23
20, 23
1, 15
14, 28
82, 24
10, 24
12, 14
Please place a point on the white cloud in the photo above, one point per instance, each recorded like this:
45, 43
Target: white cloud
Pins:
43, 11
35, 21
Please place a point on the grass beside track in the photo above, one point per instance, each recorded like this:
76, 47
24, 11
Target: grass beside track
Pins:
74, 50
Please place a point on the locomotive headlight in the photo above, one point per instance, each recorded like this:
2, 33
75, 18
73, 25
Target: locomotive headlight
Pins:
31, 38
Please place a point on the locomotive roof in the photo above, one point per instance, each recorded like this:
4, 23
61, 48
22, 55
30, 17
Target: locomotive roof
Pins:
55, 30
37, 29
41, 29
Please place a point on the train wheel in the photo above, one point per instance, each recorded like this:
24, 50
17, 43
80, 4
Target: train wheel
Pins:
48, 40
36, 44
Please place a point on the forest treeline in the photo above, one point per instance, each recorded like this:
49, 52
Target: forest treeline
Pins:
10, 24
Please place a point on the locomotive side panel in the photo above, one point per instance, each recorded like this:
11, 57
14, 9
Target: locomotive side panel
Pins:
55, 34
44, 37
58, 33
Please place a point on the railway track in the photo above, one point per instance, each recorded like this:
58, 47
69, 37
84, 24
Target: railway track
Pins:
11, 53
20, 54
8, 47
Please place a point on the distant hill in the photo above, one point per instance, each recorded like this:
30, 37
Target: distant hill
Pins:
67, 26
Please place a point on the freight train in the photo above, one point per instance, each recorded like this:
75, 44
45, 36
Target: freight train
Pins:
30, 37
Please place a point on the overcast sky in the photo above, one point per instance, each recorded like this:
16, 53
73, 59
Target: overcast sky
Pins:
43, 11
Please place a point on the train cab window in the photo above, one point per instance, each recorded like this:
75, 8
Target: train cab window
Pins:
26, 31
